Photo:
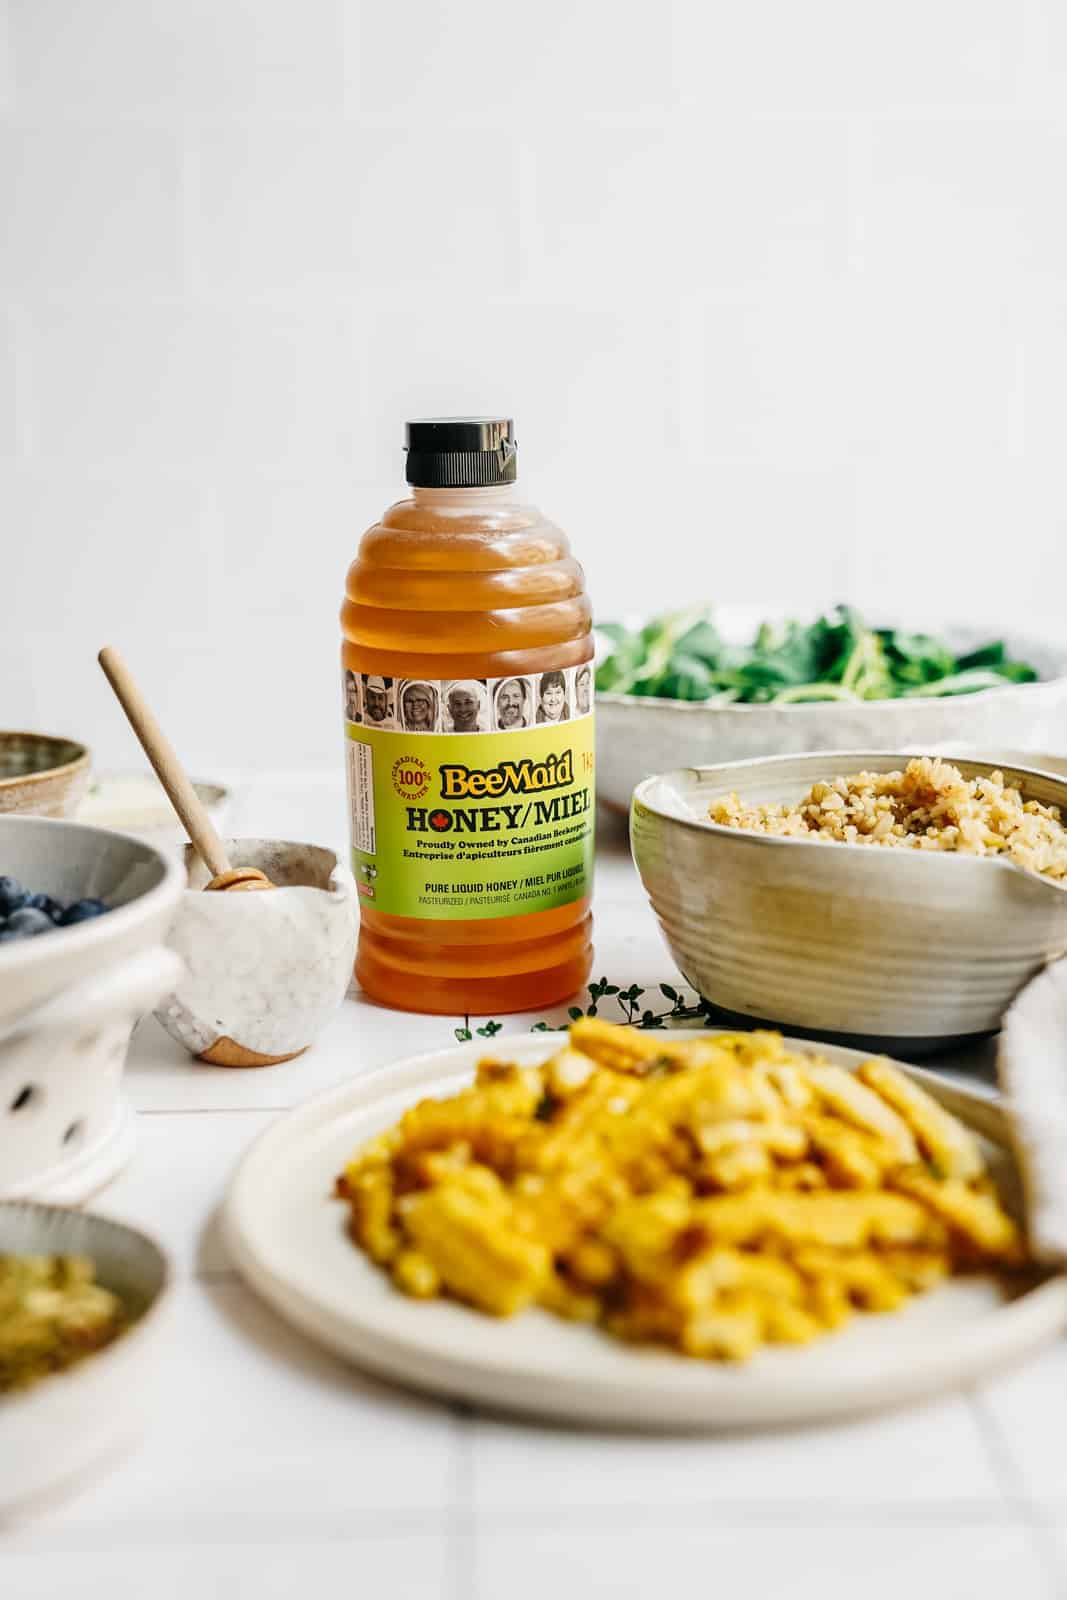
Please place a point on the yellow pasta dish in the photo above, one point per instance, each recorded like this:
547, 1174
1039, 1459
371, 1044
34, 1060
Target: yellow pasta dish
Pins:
711, 1193
53, 1313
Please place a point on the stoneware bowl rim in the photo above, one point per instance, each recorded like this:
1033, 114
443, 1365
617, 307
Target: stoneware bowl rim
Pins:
339, 884
59, 769
892, 760
210, 791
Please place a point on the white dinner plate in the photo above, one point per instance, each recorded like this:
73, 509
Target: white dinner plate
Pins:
287, 1234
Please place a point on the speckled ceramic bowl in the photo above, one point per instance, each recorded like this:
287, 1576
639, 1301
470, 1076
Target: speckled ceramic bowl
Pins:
41, 776
894, 949
264, 972
62, 1432
69, 1000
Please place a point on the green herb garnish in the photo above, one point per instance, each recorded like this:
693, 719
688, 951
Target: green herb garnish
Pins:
464, 1034
628, 1001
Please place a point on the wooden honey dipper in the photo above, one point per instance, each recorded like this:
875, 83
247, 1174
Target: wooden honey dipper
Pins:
171, 774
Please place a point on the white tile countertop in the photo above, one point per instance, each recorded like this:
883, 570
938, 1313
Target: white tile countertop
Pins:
274, 1470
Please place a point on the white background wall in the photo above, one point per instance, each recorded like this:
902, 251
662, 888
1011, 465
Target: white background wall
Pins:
775, 289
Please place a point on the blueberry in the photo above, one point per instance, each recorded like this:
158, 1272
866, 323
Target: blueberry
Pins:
28, 922
45, 903
82, 911
12, 896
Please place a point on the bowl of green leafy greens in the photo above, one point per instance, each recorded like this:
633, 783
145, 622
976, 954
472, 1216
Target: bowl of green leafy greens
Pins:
696, 686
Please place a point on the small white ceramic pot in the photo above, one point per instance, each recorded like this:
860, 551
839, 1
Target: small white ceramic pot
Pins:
264, 972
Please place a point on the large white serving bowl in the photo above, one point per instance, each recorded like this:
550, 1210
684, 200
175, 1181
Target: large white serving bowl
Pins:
59, 1433
638, 737
69, 1000
900, 949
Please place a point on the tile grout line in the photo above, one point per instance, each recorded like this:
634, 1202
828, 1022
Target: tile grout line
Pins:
459, 1549
426, 1520
211, 1111
743, 1514
91, 1538
1028, 1511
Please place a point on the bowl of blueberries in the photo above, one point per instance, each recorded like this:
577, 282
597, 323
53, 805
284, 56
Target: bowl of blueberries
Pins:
83, 917
24, 913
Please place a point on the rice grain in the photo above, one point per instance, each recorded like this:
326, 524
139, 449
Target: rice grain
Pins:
927, 806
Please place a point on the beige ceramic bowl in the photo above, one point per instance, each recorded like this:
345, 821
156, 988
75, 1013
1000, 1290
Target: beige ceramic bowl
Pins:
41, 776
897, 949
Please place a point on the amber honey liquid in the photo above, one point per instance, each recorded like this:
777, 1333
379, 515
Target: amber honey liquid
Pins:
468, 584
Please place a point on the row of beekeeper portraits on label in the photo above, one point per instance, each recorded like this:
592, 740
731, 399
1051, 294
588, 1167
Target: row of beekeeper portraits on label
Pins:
469, 705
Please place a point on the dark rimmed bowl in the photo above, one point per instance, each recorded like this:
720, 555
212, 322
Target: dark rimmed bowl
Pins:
42, 775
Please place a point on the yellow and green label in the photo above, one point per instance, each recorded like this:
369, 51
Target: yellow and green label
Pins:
492, 817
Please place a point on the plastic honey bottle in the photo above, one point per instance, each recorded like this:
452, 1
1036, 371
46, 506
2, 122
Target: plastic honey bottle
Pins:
468, 688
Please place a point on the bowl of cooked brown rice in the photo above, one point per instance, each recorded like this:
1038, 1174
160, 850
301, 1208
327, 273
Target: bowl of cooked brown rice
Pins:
900, 900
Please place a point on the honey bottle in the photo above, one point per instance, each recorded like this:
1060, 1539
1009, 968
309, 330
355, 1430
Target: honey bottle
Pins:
468, 702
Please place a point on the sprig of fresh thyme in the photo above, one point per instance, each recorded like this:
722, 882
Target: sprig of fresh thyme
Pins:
464, 1034
628, 1001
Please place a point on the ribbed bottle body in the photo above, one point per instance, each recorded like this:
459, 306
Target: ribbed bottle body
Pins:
466, 627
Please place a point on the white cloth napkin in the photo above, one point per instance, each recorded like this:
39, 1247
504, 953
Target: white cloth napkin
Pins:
1032, 1071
